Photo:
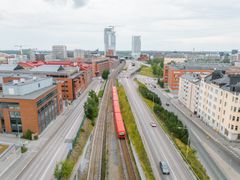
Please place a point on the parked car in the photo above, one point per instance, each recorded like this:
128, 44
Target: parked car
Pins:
167, 104
164, 167
153, 124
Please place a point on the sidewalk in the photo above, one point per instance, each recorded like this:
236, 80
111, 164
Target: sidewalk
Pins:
232, 147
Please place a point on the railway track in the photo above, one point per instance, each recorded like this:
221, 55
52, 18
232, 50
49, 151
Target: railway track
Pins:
95, 165
128, 160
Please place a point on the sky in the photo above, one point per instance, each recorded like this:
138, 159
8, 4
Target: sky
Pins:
162, 24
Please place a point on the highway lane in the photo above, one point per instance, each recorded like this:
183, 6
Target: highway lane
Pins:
218, 163
42, 167
159, 145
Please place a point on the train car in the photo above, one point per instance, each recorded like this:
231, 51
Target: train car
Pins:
115, 97
116, 107
121, 133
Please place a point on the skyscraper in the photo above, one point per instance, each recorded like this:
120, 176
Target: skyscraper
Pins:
110, 41
136, 46
59, 52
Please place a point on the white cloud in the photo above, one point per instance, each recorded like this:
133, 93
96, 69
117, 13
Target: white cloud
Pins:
163, 24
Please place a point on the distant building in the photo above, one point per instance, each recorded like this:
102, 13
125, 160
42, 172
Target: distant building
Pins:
144, 57
174, 59
29, 103
110, 41
78, 53
59, 52
234, 51
136, 46
235, 58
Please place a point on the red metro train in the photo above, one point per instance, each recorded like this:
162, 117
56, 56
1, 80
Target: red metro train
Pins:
121, 133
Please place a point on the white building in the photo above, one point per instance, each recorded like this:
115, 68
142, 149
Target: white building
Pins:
219, 103
136, 46
59, 52
188, 92
177, 60
78, 53
110, 40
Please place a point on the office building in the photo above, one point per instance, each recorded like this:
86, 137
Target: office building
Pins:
136, 46
110, 41
78, 53
29, 104
59, 52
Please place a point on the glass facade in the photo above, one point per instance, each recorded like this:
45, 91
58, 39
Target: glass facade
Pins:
47, 113
15, 121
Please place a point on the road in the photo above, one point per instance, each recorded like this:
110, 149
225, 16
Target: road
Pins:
55, 149
158, 146
219, 163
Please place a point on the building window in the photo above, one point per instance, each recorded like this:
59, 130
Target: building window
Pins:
235, 109
39, 85
233, 118
237, 119
238, 109
236, 128
232, 126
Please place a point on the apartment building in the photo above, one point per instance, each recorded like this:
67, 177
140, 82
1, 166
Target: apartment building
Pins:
219, 103
188, 92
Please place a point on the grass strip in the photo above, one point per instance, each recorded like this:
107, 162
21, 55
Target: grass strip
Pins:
64, 169
133, 133
146, 71
3, 148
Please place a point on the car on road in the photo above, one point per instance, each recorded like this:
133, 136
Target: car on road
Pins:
153, 124
167, 104
164, 167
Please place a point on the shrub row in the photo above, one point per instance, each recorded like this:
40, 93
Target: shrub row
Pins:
149, 94
172, 123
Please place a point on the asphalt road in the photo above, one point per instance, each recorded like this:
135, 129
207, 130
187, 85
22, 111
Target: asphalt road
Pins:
219, 163
158, 146
56, 149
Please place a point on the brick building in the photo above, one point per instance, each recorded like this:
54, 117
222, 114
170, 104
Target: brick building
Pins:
29, 103
99, 65
172, 72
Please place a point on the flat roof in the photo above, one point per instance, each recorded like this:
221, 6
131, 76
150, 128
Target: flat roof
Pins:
31, 96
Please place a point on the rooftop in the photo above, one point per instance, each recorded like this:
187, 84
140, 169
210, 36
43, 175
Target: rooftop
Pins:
33, 95
200, 66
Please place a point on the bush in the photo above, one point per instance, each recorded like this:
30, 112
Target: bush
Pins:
23, 149
28, 134
161, 83
105, 74
149, 94
100, 94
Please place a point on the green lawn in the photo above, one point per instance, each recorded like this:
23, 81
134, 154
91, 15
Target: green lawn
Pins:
146, 71
133, 133
3, 148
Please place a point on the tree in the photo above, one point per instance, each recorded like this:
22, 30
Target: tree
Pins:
161, 83
105, 74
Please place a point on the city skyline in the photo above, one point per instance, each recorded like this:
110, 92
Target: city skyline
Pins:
201, 25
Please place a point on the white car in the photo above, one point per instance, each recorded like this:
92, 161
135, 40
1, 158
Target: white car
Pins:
153, 124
